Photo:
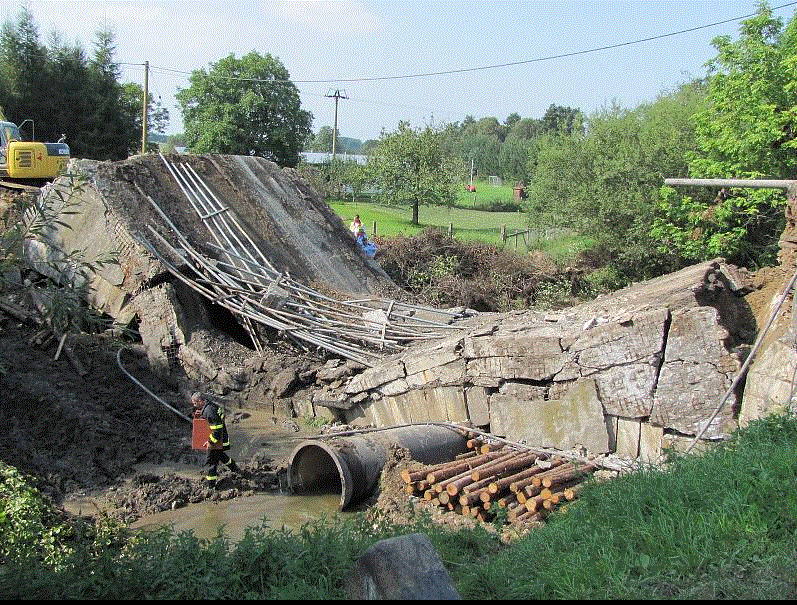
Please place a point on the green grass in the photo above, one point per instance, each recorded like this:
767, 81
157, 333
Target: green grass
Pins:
468, 225
723, 525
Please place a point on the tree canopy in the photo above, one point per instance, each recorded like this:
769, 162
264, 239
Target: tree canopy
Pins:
411, 166
747, 131
245, 106
66, 92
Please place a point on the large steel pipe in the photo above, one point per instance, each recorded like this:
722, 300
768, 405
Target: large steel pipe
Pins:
352, 464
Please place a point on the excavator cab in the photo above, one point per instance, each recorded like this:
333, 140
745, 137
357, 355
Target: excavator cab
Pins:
29, 160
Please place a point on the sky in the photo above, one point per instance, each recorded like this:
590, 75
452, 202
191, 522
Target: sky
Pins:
500, 57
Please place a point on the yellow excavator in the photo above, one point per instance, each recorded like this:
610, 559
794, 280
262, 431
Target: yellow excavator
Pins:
29, 161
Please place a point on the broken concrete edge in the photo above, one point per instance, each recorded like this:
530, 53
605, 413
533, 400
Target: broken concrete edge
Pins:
682, 331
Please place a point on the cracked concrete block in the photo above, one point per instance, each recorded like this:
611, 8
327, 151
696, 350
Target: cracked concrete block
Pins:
447, 374
627, 390
650, 443
512, 368
541, 341
768, 388
576, 419
396, 409
687, 395
447, 403
696, 335
396, 387
422, 360
478, 408
628, 431
376, 376
613, 344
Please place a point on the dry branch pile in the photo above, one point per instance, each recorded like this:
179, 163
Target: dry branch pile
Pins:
490, 478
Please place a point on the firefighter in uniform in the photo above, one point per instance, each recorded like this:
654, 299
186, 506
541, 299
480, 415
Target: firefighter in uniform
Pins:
218, 440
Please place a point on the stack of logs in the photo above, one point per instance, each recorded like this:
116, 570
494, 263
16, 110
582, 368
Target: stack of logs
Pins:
490, 478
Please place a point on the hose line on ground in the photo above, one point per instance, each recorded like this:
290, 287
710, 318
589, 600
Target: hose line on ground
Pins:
138, 382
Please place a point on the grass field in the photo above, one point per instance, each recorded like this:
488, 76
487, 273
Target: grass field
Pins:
467, 225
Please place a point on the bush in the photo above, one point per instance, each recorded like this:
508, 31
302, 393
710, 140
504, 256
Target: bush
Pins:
442, 271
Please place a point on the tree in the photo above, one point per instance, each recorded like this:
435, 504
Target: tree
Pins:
64, 92
245, 106
605, 183
410, 166
564, 120
747, 131
513, 159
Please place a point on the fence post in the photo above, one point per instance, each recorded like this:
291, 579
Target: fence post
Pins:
450, 229
374, 234
503, 233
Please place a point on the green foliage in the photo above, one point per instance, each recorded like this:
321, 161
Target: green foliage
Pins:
747, 131
605, 183
442, 271
245, 106
67, 93
30, 529
720, 525
34, 221
410, 166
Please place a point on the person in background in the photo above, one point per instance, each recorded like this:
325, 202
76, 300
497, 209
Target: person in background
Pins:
356, 225
218, 440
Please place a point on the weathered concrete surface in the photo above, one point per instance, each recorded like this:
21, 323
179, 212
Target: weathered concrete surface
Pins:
612, 375
401, 568
291, 225
771, 375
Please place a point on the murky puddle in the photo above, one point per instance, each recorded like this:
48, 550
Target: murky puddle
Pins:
249, 436
233, 517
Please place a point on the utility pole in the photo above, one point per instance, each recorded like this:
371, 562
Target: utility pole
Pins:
144, 110
337, 95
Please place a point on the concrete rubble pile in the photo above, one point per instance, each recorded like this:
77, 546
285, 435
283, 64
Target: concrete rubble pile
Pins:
117, 207
631, 373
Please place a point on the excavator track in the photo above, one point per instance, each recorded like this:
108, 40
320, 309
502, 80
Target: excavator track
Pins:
19, 187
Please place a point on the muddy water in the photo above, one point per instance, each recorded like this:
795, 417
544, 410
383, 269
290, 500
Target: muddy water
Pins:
233, 517
256, 434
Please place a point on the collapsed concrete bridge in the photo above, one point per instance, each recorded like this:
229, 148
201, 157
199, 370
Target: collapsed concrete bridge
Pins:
632, 373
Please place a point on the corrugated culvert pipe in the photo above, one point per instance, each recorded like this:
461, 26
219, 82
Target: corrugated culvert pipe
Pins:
352, 464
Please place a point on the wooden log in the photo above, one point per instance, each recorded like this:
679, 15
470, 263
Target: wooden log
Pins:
508, 461
457, 482
458, 466
576, 474
506, 500
557, 468
468, 454
472, 493
443, 497
491, 447
528, 517
429, 494
571, 493
534, 504
506, 482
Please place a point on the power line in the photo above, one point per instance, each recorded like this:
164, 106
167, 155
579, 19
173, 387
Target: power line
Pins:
479, 68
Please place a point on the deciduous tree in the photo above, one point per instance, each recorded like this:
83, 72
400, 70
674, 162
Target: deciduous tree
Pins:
245, 106
410, 166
